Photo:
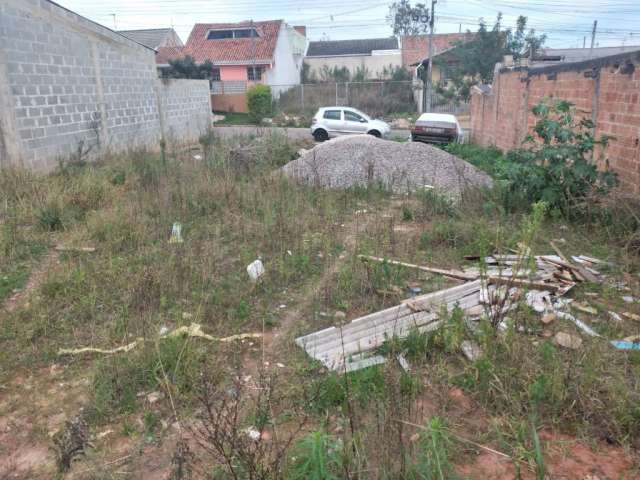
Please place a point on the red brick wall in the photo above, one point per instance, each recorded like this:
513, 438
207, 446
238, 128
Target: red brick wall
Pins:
605, 90
229, 102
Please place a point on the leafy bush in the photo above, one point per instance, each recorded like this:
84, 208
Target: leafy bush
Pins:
259, 102
558, 166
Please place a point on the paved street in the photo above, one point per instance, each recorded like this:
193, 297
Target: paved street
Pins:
293, 133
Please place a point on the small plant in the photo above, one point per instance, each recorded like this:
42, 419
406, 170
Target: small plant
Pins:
407, 213
50, 218
259, 102
151, 421
433, 461
316, 457
224, 437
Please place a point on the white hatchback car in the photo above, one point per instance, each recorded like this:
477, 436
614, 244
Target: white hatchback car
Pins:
329, 122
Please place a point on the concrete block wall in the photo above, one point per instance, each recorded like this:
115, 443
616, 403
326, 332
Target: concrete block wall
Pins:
66, 83
185, 108
605, 90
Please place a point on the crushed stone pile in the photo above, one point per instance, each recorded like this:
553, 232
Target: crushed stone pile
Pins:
360, 160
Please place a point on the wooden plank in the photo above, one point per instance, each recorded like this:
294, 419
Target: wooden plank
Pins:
422, 302
352, 342
457, 274
516, 282
335, 362
580, 272
365, 362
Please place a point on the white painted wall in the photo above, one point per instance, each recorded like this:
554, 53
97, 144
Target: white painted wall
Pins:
375, 64
287, 59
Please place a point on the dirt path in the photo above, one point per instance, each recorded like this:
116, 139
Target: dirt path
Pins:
35, 279
273, 339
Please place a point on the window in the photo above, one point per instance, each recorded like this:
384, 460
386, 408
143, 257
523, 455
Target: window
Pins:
254, 73
352, 116
219, 34
236, 33
332, 114
215, 75
244, 33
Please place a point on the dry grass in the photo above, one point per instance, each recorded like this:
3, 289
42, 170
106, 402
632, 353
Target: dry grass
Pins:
233, 209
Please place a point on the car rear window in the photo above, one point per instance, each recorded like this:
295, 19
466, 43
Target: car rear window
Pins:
332, 114
435, 124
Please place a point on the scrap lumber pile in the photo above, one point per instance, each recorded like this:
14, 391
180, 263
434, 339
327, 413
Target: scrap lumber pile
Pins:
496, 288
344, 348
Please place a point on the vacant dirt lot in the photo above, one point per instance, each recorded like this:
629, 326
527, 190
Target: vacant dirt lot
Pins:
195, 403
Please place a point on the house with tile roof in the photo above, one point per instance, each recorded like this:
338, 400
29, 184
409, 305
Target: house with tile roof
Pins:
154, 37
415, 50
242, 54
372, 58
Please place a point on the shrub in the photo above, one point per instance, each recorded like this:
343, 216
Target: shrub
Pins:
557, 167
259, 102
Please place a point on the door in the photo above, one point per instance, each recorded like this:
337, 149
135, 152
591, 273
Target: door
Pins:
332, 121
354, 122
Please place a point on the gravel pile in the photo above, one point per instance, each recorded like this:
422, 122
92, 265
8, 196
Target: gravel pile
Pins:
363, 159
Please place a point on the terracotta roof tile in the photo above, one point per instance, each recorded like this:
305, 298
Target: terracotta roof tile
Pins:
231, 50
168, 53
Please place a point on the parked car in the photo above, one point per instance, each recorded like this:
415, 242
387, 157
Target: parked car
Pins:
329, 122
437, 128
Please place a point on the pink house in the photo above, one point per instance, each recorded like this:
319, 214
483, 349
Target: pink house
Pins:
269, 52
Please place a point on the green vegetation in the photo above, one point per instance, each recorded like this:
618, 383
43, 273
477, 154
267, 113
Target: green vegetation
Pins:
234, 118
557, 166
434, 458
381, 422
259, 102
472, 61
316, 457
187, 67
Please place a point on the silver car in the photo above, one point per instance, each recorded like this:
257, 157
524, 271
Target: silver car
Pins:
329, 122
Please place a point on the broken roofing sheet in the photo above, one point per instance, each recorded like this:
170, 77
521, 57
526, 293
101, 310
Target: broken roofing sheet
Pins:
492, 290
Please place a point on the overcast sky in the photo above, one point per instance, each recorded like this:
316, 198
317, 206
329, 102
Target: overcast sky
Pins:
566, 22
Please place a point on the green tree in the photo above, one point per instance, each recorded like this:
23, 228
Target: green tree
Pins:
186, 67
474, 61
408, 20
521, 43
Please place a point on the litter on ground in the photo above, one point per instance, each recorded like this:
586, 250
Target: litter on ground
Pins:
492, 290
192, 330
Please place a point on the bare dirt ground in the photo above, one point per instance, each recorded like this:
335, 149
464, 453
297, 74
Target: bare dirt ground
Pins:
19, 298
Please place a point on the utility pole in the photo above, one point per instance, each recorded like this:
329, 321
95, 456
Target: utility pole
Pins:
427, 104
115, 26
593, 37
584, 42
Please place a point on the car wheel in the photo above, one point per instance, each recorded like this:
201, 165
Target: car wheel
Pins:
374, 133
320, 135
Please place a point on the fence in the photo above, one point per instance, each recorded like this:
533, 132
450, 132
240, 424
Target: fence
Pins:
376, 98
